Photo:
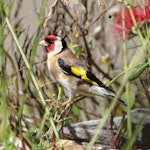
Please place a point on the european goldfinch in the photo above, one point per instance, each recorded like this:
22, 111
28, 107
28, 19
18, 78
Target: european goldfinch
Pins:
69, 71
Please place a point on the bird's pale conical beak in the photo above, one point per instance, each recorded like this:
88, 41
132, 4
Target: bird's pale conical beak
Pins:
43, 43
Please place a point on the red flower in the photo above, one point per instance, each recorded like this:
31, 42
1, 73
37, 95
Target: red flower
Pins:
141, 15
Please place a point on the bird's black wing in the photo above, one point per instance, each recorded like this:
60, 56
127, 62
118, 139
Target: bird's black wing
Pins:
81, 73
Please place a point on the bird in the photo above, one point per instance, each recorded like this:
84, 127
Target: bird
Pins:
70, 71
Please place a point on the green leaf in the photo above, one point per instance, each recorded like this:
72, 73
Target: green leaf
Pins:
74, 45
78, 49
138, 70
130, 142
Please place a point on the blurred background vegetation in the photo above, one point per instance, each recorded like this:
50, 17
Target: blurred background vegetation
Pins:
30, 100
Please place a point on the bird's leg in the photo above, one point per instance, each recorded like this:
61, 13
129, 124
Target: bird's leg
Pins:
69, 101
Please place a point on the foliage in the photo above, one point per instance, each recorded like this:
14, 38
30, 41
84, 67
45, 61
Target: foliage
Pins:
31, 105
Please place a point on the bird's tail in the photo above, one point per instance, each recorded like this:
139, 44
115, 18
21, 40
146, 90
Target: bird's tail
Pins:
101, 91
112, 96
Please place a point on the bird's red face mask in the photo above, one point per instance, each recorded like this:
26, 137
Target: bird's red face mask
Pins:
49, 43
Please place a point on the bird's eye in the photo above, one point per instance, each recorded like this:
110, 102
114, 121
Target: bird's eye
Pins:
50, 40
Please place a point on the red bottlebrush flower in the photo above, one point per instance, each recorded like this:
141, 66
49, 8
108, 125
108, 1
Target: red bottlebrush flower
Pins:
141, 15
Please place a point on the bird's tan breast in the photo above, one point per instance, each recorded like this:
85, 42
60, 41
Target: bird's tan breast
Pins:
53, 67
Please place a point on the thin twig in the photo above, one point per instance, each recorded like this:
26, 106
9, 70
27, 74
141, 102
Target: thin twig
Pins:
51, 11
25, 67
105, 9
65, 8
97, 18
67, 105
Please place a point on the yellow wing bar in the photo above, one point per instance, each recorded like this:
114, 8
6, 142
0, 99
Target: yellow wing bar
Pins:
83, 74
